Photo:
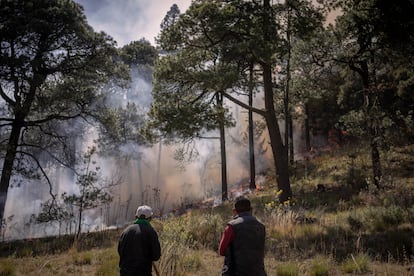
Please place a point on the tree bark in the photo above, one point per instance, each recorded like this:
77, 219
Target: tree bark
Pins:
307, 130
224, 194
279, 150
252, 184
78, 232
288, 117
8, 168
375, 159
370, 99
291, 146
21, 110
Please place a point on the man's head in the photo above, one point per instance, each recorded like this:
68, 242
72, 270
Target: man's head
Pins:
144, 212
241, 205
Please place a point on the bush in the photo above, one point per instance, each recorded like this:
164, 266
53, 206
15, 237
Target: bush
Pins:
383, 219
288, 269
170, 262
320, 267
192, 262
194, 231
356, 179
176, 231
358, 264
377, 219
206, 230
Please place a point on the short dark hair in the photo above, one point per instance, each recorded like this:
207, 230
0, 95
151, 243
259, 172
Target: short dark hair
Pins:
242, 205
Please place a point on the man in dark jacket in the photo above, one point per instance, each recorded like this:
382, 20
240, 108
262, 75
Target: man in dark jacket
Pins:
243, 243
138, 245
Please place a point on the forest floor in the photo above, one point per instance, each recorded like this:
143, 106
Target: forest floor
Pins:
334, 231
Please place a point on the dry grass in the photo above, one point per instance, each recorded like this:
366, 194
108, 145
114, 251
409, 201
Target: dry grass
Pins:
67, 263
339, 231
208, 263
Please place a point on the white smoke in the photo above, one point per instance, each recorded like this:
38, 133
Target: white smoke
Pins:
148, 176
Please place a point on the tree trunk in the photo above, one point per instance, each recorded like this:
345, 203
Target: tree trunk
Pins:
307, 130
8, 168
21, 110
288, 117
78, 232
224, 194
157, 199
279, 151
370, 99
291, 147
252, 184
140, 179
375, 158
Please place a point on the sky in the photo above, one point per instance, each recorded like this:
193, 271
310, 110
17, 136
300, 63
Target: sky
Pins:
129, 20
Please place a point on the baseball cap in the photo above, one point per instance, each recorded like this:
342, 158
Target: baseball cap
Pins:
144, 210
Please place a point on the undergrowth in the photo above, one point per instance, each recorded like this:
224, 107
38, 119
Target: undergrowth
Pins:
336, 224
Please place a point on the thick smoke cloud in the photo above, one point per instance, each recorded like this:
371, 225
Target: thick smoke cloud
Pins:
149, 176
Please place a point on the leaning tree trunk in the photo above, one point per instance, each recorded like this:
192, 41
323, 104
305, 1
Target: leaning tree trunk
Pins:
279, 150
21, 110
8, 168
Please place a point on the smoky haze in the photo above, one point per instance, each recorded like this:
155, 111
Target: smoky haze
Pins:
150, 175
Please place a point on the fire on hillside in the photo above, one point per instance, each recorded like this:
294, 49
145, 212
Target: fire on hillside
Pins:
240, 188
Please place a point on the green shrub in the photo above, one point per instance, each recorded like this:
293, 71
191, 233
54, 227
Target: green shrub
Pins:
383, 219
170, 262
176, 231
377, 219
192, 262
356, 178
194, 231
310, 233
206, 230
358, 264
320, 267
288, 269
